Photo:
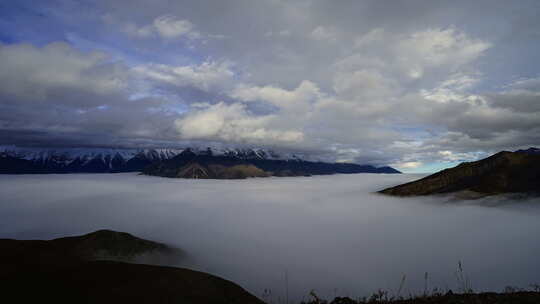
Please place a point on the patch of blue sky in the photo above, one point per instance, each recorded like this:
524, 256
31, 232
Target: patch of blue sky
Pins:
19, 23
41, 23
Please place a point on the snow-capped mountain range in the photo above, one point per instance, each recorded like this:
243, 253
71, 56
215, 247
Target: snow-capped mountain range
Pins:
66, 156
15, 159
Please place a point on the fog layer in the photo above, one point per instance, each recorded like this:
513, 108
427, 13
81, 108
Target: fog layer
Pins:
331, 234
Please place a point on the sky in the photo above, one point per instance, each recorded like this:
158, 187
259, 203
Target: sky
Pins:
419, 85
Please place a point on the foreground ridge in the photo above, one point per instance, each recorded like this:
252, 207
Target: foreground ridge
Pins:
86, 269
511, 297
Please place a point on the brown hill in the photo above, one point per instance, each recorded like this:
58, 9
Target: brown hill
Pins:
73, 270
216, 171
504, 172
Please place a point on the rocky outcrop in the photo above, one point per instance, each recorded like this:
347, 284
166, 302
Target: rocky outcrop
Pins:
504, 172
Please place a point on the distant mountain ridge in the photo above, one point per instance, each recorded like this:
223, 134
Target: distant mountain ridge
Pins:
18, 160
531, 150
14, 160
189, 164
503, 172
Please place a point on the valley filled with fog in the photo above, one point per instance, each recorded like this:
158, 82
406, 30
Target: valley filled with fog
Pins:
331, 234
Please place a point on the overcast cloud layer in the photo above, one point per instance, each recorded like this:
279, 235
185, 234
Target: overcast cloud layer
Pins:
327, 233
407, 83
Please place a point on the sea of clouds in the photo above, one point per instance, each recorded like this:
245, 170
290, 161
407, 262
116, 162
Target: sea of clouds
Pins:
331, 234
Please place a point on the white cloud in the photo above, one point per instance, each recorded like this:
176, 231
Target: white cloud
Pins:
299, 99
323, 33
170, 27
57, 94
434, 48
446, 51
166, 27
354, 233
451, 156
207, 76
408, 165
454, 89
233, 123
362, 83
58, 71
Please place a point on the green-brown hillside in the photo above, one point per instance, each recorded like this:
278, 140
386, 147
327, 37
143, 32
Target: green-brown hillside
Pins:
504, 172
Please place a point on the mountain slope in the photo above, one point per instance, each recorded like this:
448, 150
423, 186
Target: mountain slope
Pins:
72, 270
189, 164
98, 245
504, 172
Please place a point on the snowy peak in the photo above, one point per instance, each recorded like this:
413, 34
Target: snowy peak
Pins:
84, 160
67, 154
243, 153
86, 154
95, 160
66, 160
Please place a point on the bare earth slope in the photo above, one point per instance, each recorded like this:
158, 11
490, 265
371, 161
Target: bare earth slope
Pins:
504, 172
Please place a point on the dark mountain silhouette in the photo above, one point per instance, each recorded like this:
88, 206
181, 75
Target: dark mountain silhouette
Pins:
504, 172
30, 161
76, 270
14, 165
112, 245
206, 165
531, 150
